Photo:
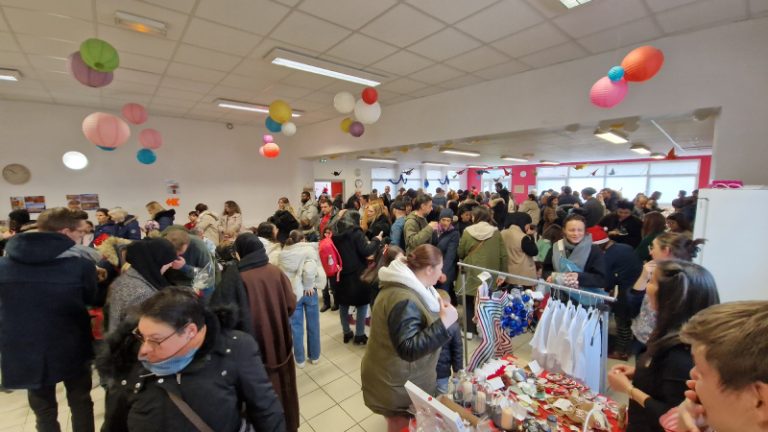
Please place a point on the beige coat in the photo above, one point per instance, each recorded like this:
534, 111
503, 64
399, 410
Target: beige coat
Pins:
208, 224
233, 223
532, 208
518, 262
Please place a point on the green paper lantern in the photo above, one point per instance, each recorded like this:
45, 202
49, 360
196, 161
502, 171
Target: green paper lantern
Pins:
99, 55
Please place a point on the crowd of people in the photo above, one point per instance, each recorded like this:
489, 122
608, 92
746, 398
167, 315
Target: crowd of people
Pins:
212, 310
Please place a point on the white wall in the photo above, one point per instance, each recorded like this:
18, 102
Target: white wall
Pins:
324, 171
721, 66
212, 164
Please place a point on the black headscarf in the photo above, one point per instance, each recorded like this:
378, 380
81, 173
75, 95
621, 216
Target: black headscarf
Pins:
148, 256
251, 251
520, 219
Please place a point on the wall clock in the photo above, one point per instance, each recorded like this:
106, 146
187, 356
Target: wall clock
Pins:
523, 173
359, 183
16, 174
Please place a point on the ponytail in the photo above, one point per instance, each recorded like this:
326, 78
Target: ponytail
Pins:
423, 256
294, 237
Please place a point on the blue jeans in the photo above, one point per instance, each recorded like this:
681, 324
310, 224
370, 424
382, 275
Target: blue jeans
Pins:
360, 319
442, 385
307, 305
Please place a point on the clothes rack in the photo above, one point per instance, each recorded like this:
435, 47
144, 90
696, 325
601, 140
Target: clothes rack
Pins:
601, 306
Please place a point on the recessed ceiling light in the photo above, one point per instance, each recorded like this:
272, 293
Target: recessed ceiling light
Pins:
460, 152
382, 160
140, 24
245, 106
435, 163
513, 159
570, 4
10, 75
549, 162
658, 155
313, 65
477, 166
640, 148
612, 136
74, 160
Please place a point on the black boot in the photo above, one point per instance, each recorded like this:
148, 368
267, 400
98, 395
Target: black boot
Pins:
348, 336
335, 307
326, 300
361, 340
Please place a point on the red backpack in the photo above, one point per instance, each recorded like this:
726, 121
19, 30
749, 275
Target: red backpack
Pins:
330, 258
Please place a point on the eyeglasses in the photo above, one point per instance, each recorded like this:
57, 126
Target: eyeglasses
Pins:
154, 344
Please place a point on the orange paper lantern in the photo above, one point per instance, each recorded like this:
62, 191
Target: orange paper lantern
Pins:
271, 150
641, 64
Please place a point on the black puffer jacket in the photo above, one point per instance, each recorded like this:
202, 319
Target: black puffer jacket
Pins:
226, 372
451, 355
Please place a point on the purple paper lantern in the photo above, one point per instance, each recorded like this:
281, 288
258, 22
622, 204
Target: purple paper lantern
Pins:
356, 129
87, 76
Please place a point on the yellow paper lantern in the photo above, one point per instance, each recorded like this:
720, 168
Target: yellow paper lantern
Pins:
280, 111
345, 124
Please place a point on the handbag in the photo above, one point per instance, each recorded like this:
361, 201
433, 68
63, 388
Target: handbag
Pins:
188, 412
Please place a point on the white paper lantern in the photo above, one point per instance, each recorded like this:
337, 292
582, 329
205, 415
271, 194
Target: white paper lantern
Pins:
289, 129
344, 102
367, 114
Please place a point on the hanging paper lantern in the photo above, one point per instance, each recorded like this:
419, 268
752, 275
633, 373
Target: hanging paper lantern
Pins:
146, 156
280, 111
289, 129
134, 113
344, 102
345, 124
99, 55
606, 93
272, 125
86, 75
271, 150
267, 138
370, 95
150, 139
616, 73
356, 129
106, 130
261, 150
367, 114
106, 148
642, 63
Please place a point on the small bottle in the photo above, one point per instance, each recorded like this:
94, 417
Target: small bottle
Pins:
467, 390
552, 423
458, 397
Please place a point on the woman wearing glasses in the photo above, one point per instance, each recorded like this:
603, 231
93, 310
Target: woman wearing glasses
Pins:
174, 366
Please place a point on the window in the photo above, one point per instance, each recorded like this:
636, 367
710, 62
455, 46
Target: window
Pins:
675, 168
557, 171
627, 169
669, 186
587, 171
578, 184
547, 184
380, 178
628, 186
434, 176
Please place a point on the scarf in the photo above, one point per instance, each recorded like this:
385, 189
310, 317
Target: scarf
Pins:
577, 254
251, 251
400, 273
148, 256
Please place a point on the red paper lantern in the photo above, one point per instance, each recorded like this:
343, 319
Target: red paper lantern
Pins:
641, 64
87, 76
106, 130
370, 95
150, 138
135, 113
271, 150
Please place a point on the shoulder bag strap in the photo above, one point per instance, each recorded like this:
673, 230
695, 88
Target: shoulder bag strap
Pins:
188, 412
474, 248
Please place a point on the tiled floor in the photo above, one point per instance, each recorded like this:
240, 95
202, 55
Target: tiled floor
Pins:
329, 393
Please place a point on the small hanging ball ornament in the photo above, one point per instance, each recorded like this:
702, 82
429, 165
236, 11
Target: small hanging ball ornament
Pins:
344, 102
356, 129
146, 156
271, 150
272, 125
345, 124
134, 113
99, 55
267, 138
606, 93
616, 73
641, 64
150, 139
280, 111
85, 75
370, 95
289, 128
367, 114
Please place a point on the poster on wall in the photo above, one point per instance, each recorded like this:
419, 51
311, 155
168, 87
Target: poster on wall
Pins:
33, 204
87, 201
172, 187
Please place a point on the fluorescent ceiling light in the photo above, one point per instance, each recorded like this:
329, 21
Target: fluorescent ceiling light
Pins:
435, 163
140, 24
612, 136
382, 160
478, 166
313, 65
549, 162
570, 4
10, 75
245, 106
513, 159
460, 152
658, 155
639, 148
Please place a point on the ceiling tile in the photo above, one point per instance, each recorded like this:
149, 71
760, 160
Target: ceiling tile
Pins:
226, 92
255, 16
450, 11
348, 13
194, 73
44, 62
72, 8
282, 91
480, 58
142, 63
428, 91
308, 80
548, 8
621, 36
170, 110
402, 26
531, 40
462, 81
402, 63
164, 92
662, 5
47, 46
699, 14
183, 84
47, 25
348, 63
290, 3
175, 21
320, 97
7, 43
128, 87
123, 74
262, 69
436, 74
403, 86
310, 32
758, 6
501, 19
503, 70
596, 16
179, 5
244, 82
444, 44
137, 43
339, 86
117, 103
217, 37
558, 54
175, 102
307, 106
206, 58
361, 49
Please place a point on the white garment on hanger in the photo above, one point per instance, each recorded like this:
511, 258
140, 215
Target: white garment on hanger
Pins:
589, 346
539, 341
562, 350
575, 330
554, 327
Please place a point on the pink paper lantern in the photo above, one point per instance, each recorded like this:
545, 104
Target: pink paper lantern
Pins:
267, 138
150, 138
134, 113
606, 93
87, 76
106, 130
261, 151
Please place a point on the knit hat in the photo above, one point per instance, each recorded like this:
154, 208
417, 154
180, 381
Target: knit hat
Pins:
598, 235
446, 213
589, 191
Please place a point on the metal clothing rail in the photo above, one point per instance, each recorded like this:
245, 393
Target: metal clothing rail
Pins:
604, 312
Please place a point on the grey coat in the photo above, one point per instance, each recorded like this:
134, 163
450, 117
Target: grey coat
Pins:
129, 289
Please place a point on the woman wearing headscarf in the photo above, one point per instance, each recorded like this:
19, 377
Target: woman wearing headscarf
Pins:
148, 260
271, 302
